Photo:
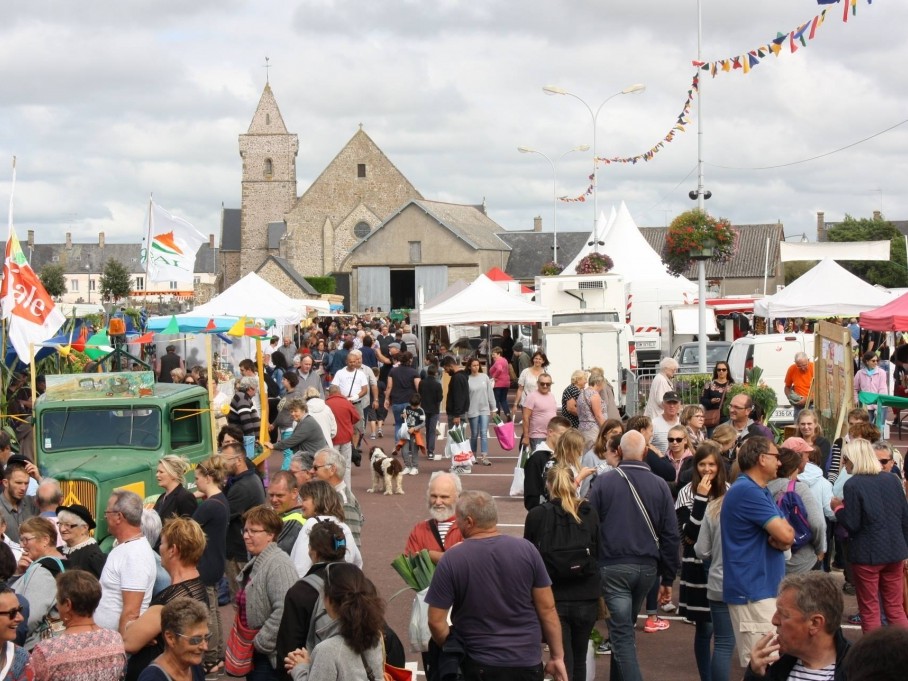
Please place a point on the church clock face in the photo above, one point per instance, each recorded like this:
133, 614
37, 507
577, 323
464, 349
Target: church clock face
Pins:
362, 229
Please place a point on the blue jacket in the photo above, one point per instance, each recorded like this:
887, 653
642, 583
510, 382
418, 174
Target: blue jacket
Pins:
624, 537
876, 517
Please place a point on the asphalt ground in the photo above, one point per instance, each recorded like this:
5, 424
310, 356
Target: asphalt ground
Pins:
389, 519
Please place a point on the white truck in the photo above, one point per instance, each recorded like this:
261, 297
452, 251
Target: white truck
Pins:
681, 324
585, 345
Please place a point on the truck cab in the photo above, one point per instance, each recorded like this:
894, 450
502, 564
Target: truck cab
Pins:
98, 432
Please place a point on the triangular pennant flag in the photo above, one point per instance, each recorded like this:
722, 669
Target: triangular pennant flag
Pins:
753, 60
736, 62
705, 67
791, 43
172, 328
238, 329
745, 63
776, 48
79, 343
98, 345
146, 338
713, 70
698, 63
779, 39
761, 52
726, 65
255, 331
211, 325
813, 27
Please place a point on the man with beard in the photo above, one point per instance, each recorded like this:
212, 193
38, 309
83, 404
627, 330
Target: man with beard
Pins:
439, 532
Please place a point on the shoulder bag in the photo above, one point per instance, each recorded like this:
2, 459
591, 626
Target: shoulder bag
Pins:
711, 417
389, 672
639, 501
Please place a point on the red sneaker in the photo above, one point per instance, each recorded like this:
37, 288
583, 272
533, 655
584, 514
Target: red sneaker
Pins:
654, 623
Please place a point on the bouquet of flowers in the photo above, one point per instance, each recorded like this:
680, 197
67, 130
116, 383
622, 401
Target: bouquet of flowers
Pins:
594, 263
696, 235
550, 269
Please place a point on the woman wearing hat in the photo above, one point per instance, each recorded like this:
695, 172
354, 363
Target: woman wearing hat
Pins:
82, 551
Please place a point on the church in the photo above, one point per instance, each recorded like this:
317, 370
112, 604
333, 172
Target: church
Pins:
361, 222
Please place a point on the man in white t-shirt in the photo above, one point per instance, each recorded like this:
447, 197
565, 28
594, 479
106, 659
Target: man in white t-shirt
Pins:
671, 408
353, 382
129, 573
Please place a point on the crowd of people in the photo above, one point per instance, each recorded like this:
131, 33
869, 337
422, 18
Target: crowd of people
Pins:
618, 512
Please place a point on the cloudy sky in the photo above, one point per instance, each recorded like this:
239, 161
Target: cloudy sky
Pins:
105, 101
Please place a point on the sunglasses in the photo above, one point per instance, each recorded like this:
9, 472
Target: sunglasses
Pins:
721, 369
544, 385
675, 439
195, 640
885, 462
13, 612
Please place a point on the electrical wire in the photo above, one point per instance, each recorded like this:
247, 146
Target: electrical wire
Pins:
812, 158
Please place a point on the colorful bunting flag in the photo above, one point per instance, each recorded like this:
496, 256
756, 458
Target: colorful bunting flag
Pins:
172, 328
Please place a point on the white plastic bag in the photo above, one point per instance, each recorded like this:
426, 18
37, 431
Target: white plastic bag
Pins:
517, 482
419, 623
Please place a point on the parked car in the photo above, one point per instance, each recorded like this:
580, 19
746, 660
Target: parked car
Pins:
688, 356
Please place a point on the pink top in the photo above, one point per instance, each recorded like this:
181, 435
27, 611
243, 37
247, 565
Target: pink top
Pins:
544, 409
864, 382
500, 374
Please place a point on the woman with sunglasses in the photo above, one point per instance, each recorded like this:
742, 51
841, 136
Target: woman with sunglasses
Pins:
679, 449
14, 661
182, 543
356, 651
39, 540
184, 626
870, 378
713, 395
213, 516
83, 651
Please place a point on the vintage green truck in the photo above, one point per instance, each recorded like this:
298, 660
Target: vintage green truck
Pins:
97, 432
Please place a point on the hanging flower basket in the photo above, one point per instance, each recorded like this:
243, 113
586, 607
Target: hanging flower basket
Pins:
594, 263
695, 235
551, 268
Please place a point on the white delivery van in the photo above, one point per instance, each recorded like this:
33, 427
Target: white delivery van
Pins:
773, 353
570, 347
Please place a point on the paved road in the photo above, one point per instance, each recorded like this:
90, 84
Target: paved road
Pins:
388, 520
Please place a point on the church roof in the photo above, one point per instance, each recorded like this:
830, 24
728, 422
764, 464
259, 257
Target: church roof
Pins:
267, 119
470, 223
231, 222
294, 276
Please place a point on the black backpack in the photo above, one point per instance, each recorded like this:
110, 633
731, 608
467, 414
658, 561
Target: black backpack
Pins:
566, 546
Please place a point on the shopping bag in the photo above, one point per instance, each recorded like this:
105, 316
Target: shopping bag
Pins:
403, 433
419, 623
517, 483
460, 450
505, 434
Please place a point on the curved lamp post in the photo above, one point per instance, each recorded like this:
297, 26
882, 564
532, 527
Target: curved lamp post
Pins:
630, 90
528, 150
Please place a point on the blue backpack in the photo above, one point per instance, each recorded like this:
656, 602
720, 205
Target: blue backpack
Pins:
793, 510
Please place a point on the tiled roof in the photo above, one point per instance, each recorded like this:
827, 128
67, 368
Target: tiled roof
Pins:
470, 223
294, 276
231, 221
93, 256
530, 250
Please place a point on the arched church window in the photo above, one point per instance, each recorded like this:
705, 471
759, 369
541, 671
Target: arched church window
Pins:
269, 168
362, 229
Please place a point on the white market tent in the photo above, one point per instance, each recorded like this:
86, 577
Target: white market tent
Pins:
827, 290
482, 302
597, 235
634, 258
254, 297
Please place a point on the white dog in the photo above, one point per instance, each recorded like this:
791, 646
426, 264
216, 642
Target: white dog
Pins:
385, 471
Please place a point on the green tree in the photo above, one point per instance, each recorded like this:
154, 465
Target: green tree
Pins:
892, 273
53, 280
796, 268
115, 281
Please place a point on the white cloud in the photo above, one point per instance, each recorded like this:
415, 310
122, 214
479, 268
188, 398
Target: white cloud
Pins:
106, 102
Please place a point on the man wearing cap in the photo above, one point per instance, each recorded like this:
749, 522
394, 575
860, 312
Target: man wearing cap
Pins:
243, 413
668, 419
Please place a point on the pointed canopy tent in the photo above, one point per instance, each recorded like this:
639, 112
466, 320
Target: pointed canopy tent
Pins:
602, 228
828, 290
452, 290
254, 297
482, 302
893, 316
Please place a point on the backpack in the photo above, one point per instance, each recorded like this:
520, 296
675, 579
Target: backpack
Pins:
793, 510
320, 621
565, 546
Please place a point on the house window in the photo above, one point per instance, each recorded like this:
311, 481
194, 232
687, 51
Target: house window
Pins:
91, 284
362, 229
140, 283
360, 169
74, 285
173, 286
415, 251
197, 281
269, 168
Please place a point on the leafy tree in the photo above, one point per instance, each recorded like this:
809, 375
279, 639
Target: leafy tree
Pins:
892, 273
52, 276
796, 268
115, 281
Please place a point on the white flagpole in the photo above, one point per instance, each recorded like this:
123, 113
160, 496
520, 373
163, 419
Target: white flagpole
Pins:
148, 243
12, 190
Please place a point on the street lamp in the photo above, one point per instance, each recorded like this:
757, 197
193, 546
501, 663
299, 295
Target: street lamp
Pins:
528, 150
630, 90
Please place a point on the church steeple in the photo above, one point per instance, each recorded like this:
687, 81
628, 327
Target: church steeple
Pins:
267, 119
269, 179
